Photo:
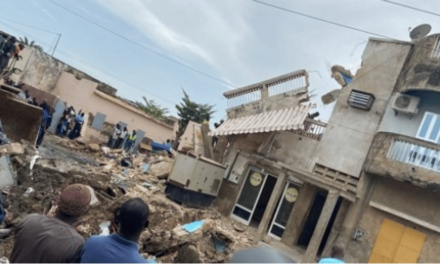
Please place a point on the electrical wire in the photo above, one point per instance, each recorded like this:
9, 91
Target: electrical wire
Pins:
19, 23
143, 46
411, 7
75, 58
323, 20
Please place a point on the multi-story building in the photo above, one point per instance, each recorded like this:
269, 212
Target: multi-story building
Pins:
367, 180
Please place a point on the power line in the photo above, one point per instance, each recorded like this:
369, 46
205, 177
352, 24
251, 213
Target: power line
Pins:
348, 27
19, 23
411, 7
322, 20
87, 64
144, 47
25, 33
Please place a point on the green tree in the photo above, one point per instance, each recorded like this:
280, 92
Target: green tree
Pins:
31, 44
152, 108
191, 111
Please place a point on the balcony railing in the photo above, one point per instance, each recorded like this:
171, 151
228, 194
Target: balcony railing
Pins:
289, 83
312, 129
405, 159
415, 154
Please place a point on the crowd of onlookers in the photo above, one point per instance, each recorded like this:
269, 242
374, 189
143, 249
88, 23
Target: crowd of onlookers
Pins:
121, 138
70, 123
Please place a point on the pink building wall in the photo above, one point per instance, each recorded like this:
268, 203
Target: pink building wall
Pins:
82, 94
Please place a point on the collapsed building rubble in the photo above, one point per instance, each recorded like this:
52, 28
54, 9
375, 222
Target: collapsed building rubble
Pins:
35, 191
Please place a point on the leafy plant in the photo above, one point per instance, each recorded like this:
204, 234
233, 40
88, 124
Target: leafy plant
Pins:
31, 44
189, 110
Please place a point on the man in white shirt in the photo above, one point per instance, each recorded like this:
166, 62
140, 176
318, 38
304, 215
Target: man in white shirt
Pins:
23, 95
121, 138
115, 136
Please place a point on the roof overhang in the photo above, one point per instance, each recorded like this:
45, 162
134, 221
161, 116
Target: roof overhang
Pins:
279, 120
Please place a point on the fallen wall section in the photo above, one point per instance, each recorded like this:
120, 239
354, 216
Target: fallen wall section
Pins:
20, 120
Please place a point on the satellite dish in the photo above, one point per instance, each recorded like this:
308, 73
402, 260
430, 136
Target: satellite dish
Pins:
420, 31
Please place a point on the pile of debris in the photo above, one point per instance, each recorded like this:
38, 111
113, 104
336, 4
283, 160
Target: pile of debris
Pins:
114, 181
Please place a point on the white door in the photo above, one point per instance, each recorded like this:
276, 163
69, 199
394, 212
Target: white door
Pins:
284, 208
250, 193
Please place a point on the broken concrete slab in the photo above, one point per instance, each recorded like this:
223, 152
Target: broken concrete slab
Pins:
239, 227
330, 97
12, 149
161, 168
23, 122
188, 254
94, 147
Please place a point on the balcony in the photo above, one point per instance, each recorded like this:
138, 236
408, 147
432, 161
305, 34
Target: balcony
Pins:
273, 93
405, 159
312, 129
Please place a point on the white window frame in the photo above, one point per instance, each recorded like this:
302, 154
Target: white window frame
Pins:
430, 127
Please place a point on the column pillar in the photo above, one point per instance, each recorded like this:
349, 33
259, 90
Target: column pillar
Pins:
337, 226
321, 226
356, 210
299, 214
270, 209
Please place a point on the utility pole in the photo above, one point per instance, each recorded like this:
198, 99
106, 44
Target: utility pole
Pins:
56, 44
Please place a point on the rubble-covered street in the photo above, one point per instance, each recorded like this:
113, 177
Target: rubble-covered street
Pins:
116, 177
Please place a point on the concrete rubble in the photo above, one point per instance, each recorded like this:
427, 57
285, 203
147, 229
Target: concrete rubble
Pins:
62, 162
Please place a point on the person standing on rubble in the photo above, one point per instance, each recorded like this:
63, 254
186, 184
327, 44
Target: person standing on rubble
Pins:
9, 49
44, 239
121, 247
112, 139
130, 141
79, 121
45, 123
121, 138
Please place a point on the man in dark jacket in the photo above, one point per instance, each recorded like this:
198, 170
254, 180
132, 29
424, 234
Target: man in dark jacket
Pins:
44, 239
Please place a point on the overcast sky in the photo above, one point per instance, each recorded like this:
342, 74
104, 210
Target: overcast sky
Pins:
238, 41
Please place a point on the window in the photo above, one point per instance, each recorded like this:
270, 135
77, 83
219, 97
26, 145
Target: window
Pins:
436, 51
361, 100
429, 129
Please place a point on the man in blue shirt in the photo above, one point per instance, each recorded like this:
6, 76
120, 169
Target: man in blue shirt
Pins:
121, 247
79, 121
337, 255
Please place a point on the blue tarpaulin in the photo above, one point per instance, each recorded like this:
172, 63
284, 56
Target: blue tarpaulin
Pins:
158, 146
194, 226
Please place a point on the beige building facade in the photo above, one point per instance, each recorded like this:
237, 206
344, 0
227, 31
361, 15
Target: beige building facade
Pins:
366, 180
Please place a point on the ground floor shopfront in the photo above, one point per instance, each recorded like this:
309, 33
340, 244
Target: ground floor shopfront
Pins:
288, 209
394, 222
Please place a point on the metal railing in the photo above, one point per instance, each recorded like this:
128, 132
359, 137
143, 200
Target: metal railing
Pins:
312, 129
288, 83
414, 154
297, 82
245, 97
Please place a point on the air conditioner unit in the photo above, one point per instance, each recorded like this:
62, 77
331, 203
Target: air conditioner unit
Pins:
407, 104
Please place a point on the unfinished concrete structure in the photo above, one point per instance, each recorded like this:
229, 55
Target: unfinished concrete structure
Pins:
366, 180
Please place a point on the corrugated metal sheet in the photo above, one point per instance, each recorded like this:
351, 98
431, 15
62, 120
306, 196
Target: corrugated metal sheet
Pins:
279, 120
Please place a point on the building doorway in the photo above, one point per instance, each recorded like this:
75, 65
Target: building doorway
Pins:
254, 197
283, 209
312, 220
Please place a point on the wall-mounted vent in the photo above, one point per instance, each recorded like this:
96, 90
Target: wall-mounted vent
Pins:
402, 103
361, 100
